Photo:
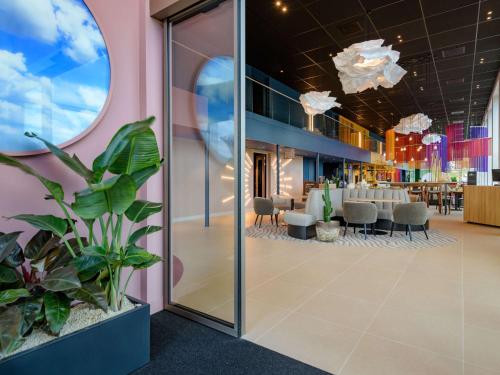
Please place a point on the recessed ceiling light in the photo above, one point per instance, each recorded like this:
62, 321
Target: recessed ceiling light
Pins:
490, 12
421, 88
277, 3
415, 73
477, 86
330, 54
399, 37
281, 71
488, 18
284, 9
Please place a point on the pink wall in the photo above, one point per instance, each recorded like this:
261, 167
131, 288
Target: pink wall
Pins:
134, 42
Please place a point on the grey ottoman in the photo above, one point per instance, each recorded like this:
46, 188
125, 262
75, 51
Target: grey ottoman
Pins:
302, 226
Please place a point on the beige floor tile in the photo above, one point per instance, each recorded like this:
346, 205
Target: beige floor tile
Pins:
483, 315
314, 275
377, 356
367, 283
349, 312
392, 259
432, 332
475, 370
428, 294
319, 343
482, 347
279, 293
260, 317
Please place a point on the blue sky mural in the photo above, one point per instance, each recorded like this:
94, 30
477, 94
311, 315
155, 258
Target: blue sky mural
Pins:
54, 72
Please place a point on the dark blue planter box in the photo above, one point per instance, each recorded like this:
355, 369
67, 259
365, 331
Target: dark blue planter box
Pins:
115, 346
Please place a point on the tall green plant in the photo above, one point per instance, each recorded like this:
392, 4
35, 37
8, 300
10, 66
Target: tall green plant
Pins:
327, 203
108, 208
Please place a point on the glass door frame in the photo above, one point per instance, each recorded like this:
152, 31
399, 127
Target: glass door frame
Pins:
237, 328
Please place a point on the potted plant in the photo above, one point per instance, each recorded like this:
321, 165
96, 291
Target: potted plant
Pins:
82, 257
327, 230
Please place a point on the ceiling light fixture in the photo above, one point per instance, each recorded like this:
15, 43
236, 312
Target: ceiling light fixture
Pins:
368, 65
281, 71
421, 88
284, 9
416, 123
317, 103
277, 3
431, 138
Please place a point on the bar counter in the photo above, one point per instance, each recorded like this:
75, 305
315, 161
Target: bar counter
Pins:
482, 205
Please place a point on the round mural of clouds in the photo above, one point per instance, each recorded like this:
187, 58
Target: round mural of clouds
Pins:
54, 72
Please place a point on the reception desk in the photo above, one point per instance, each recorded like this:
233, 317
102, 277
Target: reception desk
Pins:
482, 205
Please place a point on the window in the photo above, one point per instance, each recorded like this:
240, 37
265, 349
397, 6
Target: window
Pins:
54, 73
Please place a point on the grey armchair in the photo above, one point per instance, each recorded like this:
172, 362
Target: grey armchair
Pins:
409, 214
264, 206
360, 213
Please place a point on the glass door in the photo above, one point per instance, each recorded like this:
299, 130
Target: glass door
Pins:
205, 142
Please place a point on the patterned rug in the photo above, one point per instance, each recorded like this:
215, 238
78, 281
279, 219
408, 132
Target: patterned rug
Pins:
398, 239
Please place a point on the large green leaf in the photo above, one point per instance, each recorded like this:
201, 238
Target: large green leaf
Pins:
73, 162
141, 152
89, 204
139, 258
51, 223
114, 195
8, 244
60, 256
7, 275
90, 293
140, 210
88, 266
57, 308
141, 232
12, 295
16, 257
30, 309
142, 175
117, 144
40, 244
61, 279
94, 251
11, 323
54, 188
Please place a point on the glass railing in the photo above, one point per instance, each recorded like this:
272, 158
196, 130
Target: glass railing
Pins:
266, 101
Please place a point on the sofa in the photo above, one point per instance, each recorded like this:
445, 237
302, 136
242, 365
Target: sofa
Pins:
314, 203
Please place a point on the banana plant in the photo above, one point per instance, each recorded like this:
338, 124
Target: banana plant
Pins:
37, 285
108, 208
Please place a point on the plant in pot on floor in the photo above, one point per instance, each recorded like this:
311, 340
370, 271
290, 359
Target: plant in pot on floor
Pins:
59, 265
327, 230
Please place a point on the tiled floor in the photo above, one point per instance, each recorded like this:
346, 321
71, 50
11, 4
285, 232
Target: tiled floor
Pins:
359, 311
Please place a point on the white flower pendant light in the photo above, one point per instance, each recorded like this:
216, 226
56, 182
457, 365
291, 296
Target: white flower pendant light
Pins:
368, 65
431, 138
413, 124
317, 103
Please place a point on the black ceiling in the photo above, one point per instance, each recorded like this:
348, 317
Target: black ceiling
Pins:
451, 46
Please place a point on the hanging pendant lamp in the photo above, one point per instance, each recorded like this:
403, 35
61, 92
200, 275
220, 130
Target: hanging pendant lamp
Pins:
368, 65
416, 123
317, 103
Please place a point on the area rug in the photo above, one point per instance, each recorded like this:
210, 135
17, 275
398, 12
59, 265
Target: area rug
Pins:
398, 239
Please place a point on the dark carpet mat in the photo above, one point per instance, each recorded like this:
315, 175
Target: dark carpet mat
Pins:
180, 346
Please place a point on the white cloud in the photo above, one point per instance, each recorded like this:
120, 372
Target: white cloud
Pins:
79, 30
92, 96
56, 109
35, 19
54, 21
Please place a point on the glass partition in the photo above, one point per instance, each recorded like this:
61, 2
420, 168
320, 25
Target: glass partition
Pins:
204, 158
